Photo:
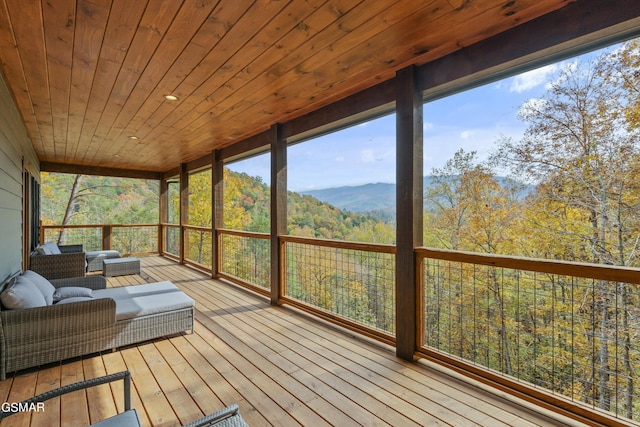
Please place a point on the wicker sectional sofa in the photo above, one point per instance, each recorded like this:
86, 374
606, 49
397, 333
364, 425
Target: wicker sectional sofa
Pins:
81, 324
61, 261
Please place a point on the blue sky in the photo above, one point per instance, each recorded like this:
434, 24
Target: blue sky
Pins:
365, 153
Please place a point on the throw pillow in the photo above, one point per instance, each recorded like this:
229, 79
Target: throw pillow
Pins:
74, 299
23, 294
51, 248
71, 292
45, 286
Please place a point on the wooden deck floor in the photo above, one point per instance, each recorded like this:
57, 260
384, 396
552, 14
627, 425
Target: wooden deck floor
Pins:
281, 367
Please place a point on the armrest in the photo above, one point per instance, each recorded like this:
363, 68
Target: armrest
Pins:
59, 266
229, 416
46, 323
81, 385
91, 282
67, 249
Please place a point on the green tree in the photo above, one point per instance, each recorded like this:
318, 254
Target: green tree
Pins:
581, 147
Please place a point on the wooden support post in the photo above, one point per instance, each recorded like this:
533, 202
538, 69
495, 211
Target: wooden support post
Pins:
184, 210
409, 205
163, 210
106, 237
278, 208
217, 202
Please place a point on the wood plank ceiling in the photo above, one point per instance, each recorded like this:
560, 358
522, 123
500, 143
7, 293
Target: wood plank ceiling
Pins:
89, 74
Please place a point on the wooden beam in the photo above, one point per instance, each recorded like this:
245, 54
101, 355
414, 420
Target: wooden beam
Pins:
217, 202
369, 103
571, 30
256, 144
278, 208
163, 210
409, 205
98, 171
184, 210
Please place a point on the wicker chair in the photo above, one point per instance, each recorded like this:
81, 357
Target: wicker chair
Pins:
127, 418
31, 337
71, 262
228, 417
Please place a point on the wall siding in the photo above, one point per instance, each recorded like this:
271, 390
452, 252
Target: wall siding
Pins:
16, 154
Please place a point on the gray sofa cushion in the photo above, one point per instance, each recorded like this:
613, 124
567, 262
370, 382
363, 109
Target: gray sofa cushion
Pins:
147, 299
73, 299
22, 294
71, 292
48, 248
46, 288
91, 255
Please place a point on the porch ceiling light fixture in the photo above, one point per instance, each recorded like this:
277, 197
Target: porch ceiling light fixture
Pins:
170, 97
133, 138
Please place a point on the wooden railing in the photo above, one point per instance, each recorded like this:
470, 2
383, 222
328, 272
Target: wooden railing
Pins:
563, 332
245, 258
129, 239
349, 283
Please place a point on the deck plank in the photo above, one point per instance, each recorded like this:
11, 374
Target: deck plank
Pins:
74, 409
49, 379
155, 403
280, 366
100, 398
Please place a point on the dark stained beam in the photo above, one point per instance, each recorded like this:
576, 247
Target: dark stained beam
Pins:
256, 144
368, 104
217, 203
278, 208
571, 30
99, 171
184, 211
409, 205
163, 209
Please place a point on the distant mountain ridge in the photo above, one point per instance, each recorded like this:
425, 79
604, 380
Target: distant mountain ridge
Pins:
375, 196
360, 198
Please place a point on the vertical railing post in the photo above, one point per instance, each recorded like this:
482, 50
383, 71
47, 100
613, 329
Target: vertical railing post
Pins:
106, 237
184, 210
217, 202
278, 209
163, 210
409, 205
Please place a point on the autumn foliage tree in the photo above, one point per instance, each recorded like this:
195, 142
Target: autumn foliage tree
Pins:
581, 149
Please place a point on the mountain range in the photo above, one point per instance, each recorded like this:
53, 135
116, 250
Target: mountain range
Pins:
379, 197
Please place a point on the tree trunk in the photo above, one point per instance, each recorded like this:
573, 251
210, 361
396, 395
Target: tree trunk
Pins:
604, 391
70, 208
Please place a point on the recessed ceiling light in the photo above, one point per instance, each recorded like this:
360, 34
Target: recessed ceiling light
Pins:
134, 138
170, 97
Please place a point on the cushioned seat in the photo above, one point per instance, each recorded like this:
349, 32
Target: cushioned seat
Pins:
95, 258
144, 300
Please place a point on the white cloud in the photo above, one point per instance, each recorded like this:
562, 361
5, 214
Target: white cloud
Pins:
366, 156
466, 134
531, 79
340, 159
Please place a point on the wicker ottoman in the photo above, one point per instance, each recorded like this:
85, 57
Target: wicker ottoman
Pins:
120, 266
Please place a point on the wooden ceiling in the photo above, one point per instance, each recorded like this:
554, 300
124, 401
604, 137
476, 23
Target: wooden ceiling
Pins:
89, 74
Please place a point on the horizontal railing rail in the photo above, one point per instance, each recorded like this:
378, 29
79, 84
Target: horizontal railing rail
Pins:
559, 331
244, 257
198, 246
128, 239
349, 283
170, 244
